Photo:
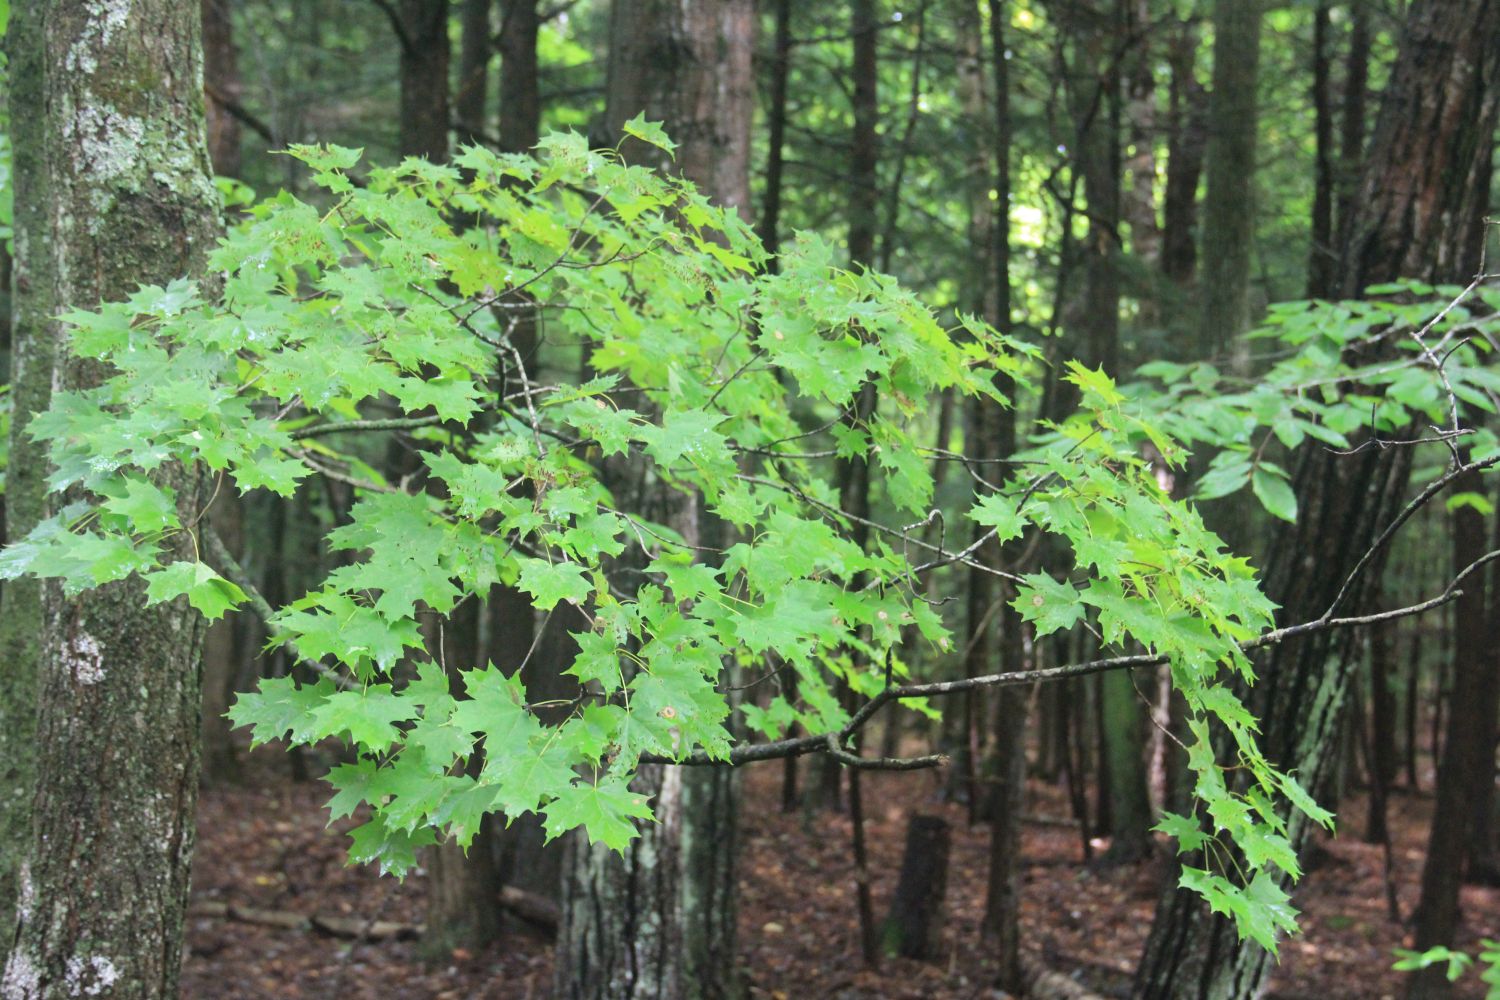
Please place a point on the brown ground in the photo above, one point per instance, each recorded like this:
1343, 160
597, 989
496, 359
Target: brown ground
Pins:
263, 843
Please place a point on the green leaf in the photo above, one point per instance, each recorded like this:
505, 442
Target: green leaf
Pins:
1094, 383
549, 583
1275, 494
278, 707
1188, 834
604, 810
369, 716
149, 508
1268, 914
649, 132
206, 590
1051, 605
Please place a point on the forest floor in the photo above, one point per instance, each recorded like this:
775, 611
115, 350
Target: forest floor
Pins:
262, 843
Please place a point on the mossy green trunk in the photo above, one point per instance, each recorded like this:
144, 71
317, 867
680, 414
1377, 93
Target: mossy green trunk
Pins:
112, 191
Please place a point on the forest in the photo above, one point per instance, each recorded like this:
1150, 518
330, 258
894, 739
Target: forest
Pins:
729, 499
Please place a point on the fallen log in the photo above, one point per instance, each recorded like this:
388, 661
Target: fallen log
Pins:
538, 910
290, 920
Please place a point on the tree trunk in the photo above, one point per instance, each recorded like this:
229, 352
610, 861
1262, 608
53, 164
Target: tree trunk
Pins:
1186, 139
914, 928
1352, 126
1229, 203
992, 294
770, 218
112, 189
520, 100
1139, 205
463, 886
659, 922
1419, 213
32, 345
1322, 254
1468, 761
423, 38
1484, 864
473, 70
1382, 731
222, 86
222, 647
1124, 719
864, 184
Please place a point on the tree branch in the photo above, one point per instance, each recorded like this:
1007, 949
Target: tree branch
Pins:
832, 742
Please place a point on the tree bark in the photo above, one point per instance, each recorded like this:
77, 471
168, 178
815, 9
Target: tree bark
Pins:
770, 219
473, 70
1382, 731
1352, 125
1483, 852
1139, 203
520, 99
914, 928
1186, 139
113, 189
222, 86
1468, 760
990, 235
1419, 214
659, 922
1229, 203
425, 49
1322, 255
1124, 720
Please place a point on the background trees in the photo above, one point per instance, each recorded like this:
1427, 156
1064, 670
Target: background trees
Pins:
1041, 165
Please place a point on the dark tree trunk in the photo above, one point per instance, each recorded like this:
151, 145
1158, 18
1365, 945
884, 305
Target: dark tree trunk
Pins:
1382, 740
520, 97
1322, 255
473, 70
463, 885
1483, 852
1411, 709
1352, 124
770, 218
113, 189
1139, 203
1007, 767
1130, 820
1419, 213
1468, 760
1229, 201
424, 117
1187, 137
223, 645
864, 185
854, 475
914, 928
222, 86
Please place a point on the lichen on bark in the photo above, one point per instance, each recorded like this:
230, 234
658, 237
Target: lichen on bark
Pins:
112, 192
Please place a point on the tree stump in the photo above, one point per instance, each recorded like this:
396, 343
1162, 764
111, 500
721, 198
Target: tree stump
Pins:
914, 927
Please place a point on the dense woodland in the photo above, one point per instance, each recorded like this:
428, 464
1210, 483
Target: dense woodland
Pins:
718, 499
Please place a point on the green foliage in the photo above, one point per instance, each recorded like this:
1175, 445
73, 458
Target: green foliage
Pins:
1457, 963
710, 374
